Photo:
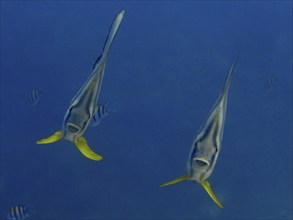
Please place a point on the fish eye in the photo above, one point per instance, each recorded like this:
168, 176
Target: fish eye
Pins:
201, 162
72, 128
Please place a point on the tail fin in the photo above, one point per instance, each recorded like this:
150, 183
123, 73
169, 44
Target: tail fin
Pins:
180, 179
108, 106
111, 35
29, 211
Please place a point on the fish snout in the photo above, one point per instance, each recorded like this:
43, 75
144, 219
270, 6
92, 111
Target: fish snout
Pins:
199, 169
201, 162
71, 132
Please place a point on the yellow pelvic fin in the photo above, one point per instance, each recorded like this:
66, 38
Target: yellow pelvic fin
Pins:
83, 147
180, 179
53, 138
209, 190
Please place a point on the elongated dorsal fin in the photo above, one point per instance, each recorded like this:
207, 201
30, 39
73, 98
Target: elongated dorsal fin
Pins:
111, 35
230, 74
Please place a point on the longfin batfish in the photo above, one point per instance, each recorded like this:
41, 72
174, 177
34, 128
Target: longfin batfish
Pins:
207, 144
83, 106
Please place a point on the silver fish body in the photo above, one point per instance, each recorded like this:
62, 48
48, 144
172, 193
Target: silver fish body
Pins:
83, 106
207, 144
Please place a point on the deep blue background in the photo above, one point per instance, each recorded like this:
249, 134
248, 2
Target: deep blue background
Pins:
166, 69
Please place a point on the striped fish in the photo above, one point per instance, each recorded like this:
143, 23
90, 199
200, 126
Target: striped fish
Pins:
18, 212
35, 96
102, 112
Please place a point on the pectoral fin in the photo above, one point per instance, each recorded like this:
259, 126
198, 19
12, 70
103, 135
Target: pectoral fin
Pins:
83, 147
53, 138
209, 190
180, 179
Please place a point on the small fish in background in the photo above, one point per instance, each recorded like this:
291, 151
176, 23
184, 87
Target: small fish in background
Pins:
35, 96
271, 82
19, 212
102, 112
285, 213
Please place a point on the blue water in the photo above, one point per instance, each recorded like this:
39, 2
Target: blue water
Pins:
166, 69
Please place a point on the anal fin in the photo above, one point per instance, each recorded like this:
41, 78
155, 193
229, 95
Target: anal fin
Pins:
83, 147
180, 179
53, 138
